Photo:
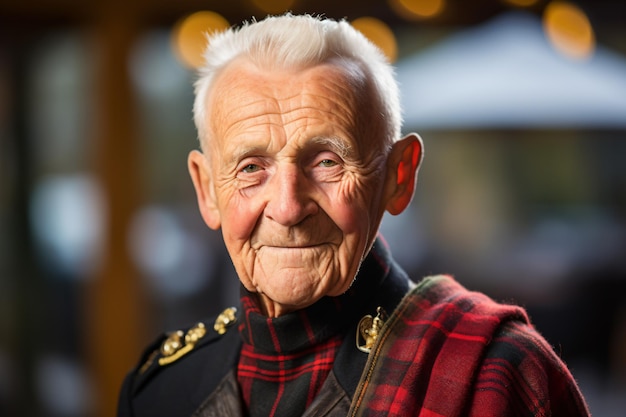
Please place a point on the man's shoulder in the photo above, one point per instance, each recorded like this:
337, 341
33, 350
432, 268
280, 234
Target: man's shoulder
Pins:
536, 377
515, 354
444, 294
440, 312
180, 368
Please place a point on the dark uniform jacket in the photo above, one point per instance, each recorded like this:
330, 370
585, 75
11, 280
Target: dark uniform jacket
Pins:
443, 351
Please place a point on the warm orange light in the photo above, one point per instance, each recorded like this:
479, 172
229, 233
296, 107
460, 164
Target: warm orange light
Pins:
379, 33
521, 3
274, 6
189, 36
417, 9
569, 30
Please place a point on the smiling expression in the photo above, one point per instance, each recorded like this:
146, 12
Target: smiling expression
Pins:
294, 178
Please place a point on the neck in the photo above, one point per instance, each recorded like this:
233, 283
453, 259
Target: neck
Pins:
271, 308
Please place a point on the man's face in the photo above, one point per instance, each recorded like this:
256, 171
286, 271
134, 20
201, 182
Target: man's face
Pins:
296, 180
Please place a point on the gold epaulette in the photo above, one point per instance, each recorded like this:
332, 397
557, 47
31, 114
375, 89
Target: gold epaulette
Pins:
179, 343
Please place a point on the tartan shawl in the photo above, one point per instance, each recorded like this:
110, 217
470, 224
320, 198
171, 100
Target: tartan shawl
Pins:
446, 351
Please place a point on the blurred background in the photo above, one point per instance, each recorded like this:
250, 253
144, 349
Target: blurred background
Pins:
521, 105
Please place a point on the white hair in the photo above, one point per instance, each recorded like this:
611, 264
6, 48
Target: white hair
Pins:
303, 41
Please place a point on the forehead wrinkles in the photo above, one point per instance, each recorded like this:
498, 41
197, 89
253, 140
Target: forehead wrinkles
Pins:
248, 100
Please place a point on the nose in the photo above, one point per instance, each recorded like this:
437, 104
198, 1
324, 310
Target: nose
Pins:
289, 200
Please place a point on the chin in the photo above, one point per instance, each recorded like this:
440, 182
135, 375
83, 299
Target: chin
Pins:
293, 301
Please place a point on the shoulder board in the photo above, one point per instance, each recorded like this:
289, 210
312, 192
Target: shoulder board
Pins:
172, 347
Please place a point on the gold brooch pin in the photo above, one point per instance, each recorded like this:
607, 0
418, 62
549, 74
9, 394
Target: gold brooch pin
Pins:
368, 330
173, 347
226, 319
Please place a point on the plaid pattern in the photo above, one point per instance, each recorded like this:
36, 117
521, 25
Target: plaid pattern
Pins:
284, 361
443, 352
450, 352
282, 365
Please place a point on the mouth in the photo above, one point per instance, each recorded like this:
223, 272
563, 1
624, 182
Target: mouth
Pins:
292, 246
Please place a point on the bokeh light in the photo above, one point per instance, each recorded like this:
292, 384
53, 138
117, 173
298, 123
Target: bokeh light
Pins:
521, 3
417, 9
274, 6
189, 36
569, 30
380, 34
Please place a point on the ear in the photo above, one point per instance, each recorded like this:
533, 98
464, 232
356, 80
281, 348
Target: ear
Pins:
200, 173
402, 166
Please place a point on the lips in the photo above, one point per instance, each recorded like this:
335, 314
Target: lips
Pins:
293, 246
294, 239
311, 234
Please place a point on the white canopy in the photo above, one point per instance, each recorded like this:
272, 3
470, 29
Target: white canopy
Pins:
506, 74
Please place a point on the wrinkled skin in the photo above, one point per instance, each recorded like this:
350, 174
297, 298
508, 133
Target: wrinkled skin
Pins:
296, 182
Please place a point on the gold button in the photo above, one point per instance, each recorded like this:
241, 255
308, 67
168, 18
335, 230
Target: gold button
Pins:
226, 319
172, 344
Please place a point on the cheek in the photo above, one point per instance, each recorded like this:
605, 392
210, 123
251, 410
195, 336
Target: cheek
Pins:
358, 216
350, 210
351, 219
239, 218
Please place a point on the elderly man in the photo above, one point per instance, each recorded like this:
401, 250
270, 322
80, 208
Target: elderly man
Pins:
299, 124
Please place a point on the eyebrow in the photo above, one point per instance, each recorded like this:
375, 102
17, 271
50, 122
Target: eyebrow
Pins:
243, 152
338, 145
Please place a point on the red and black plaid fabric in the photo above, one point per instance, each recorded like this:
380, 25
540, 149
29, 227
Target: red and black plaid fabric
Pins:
450, 352
283, 361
